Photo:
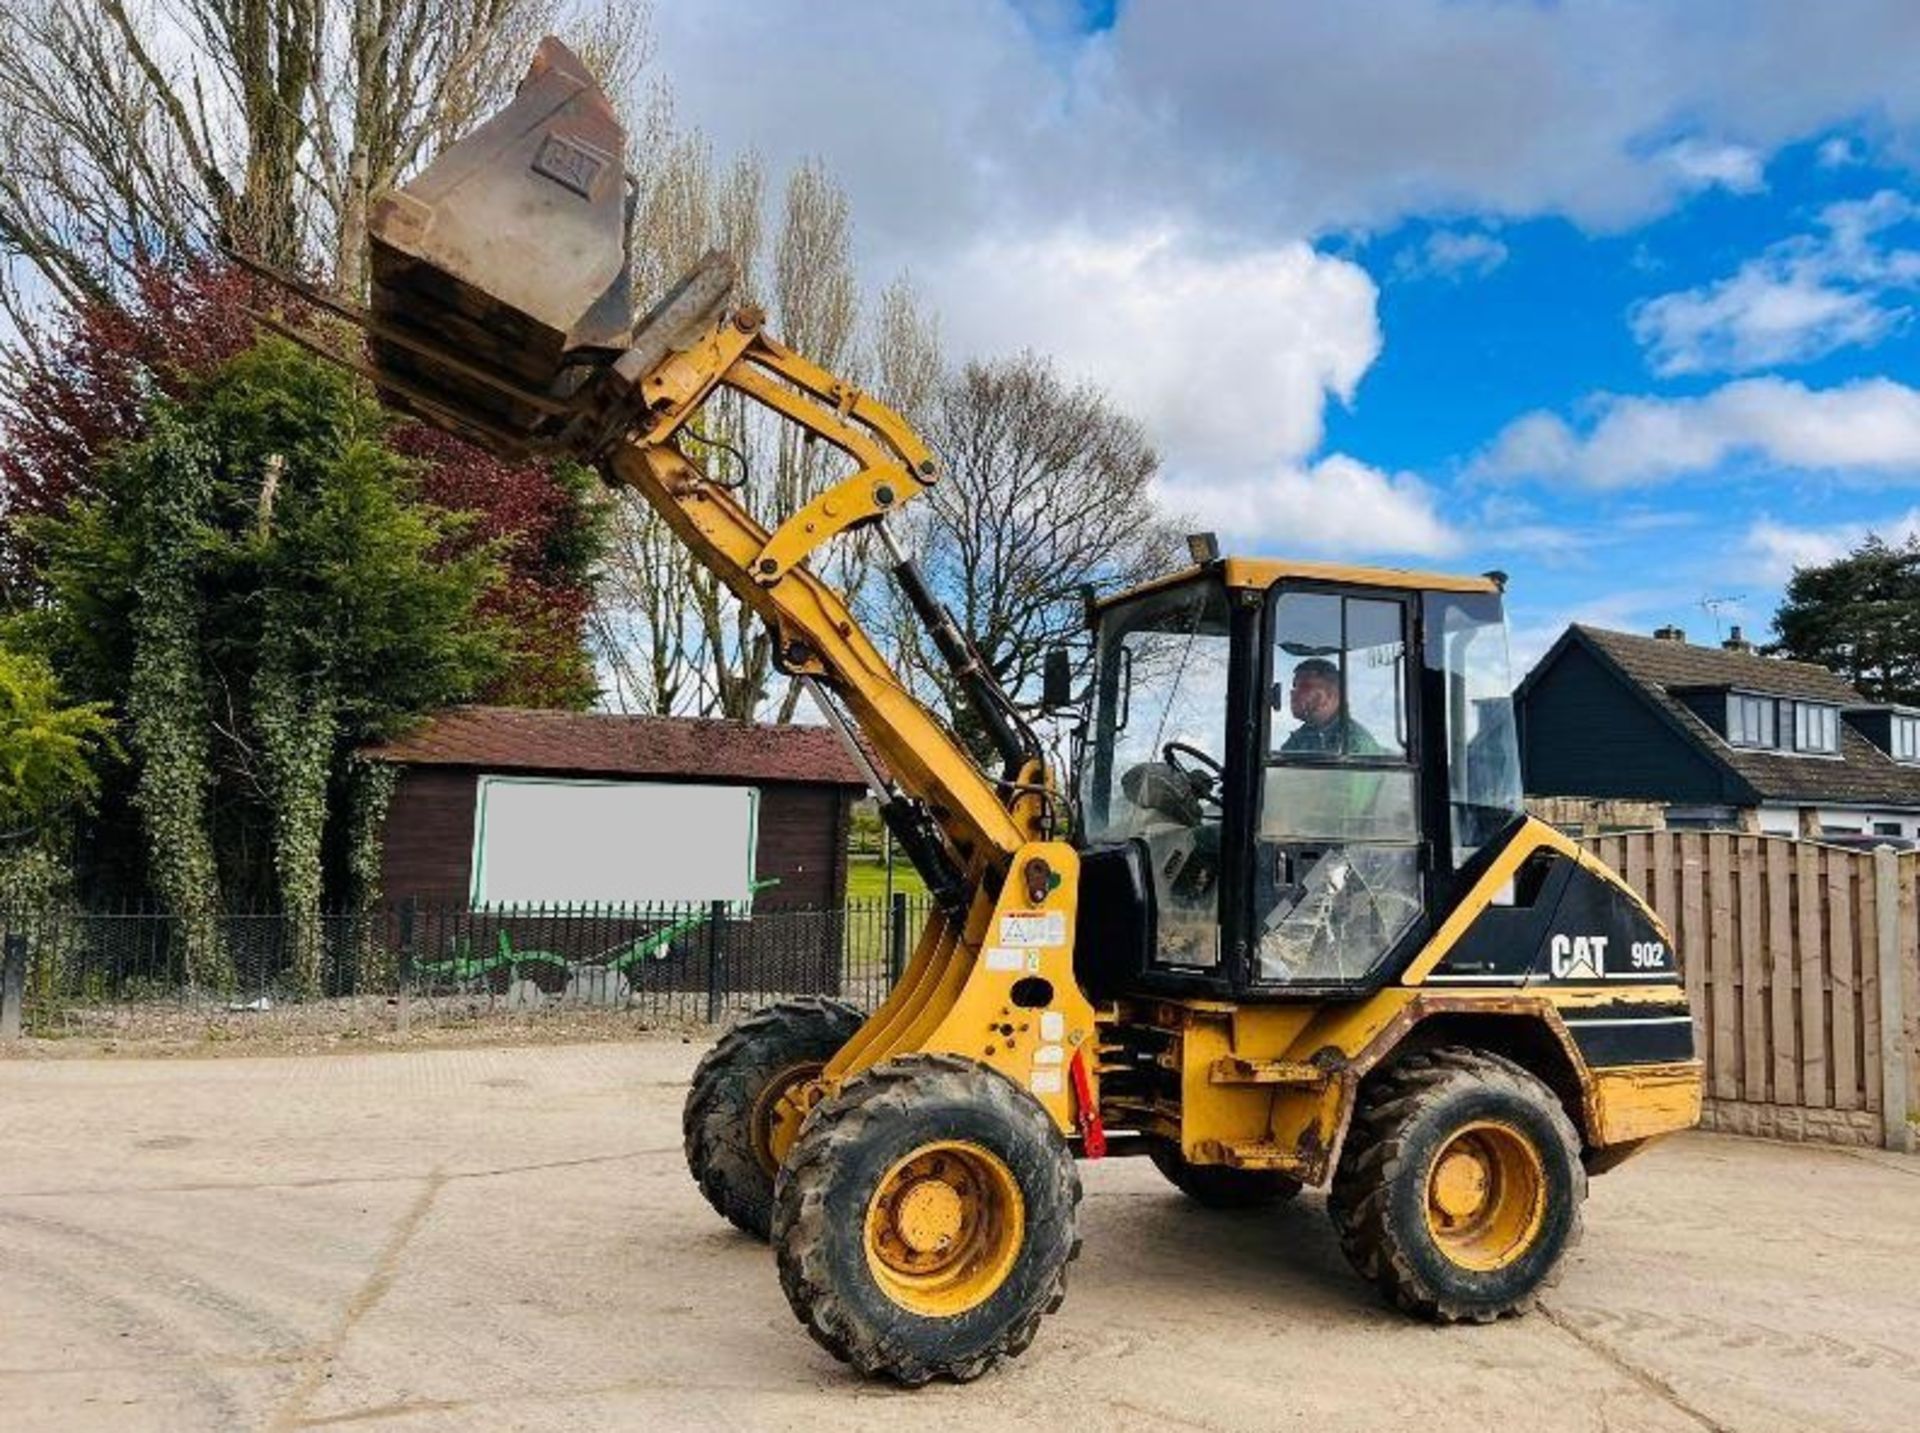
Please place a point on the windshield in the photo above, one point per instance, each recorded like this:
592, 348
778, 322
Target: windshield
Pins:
1467, 645
1154, 766
1162, 680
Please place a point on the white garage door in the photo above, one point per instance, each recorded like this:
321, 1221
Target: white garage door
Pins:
541, 842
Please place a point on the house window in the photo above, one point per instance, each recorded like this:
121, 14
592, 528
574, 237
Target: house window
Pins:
1751, 721
1777, 724
1906, 738
1886, 828
1815, 728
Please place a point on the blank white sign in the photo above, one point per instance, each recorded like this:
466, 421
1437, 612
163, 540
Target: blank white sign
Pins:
539, 842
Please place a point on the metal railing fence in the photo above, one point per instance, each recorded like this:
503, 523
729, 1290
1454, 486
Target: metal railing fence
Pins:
138, 972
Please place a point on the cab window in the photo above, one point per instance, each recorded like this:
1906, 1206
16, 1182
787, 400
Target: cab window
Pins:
1156, 761
1337, 879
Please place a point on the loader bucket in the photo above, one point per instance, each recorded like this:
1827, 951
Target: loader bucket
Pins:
501, 274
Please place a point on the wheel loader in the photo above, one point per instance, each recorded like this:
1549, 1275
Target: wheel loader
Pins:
1282, 924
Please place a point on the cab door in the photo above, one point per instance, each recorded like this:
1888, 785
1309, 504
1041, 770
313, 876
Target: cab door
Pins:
1337, 840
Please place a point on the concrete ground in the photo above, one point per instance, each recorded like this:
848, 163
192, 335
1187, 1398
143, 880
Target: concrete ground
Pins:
507, 1238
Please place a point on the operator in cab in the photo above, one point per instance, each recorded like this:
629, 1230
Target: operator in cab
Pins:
1318, 703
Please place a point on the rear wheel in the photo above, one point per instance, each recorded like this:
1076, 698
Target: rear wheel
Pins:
1459, 1188
727, 1123
1220, 1186
924, 1220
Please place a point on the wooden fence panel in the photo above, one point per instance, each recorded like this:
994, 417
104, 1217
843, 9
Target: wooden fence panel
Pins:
1843, 979
1779, 948
1723, 979
1815, 1091
1783, 1012
1866, 927
1690, 933
1910, 963
1756, 1063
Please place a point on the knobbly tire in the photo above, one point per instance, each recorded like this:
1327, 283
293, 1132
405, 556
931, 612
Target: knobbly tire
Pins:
1219, 1186
909, 1151
1459, 1188
724, 1123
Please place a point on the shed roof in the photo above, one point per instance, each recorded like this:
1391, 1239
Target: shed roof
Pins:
1659, 668
606, 744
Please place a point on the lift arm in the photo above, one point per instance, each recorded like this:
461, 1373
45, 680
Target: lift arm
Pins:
815, 634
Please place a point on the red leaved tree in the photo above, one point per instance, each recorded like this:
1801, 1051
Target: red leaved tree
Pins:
82, 390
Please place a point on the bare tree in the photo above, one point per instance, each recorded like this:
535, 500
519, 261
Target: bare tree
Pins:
136, 128
643, 628
907, 364
666, 617
1046, 489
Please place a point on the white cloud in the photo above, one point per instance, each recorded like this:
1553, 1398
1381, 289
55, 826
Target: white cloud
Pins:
1869, 428
1268, 121
1228, 359
1777, 548
1799, 300
1839, 152
1452, 254
1702, 164
1337, 505
1138, 202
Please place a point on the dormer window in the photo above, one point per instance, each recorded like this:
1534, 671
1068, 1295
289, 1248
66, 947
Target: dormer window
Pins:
1905, 745
1816, 728
1780, 724
1751, 720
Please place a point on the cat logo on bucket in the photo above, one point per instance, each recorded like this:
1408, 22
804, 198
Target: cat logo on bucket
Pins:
1578, 957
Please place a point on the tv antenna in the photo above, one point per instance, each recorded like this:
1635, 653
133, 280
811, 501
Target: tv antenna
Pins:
1712, 605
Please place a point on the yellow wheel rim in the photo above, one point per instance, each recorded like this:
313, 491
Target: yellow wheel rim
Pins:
764, 1119
944, 1228
1486, 1196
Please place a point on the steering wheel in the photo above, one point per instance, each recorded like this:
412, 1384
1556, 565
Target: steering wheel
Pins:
1204, 766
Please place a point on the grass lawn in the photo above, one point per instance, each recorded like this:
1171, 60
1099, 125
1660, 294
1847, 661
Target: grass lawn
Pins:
867, 880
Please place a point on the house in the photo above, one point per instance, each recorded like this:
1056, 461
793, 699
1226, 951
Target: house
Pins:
1619, 730
500, 807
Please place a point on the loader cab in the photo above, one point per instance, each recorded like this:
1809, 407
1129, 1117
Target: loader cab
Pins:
1290, 772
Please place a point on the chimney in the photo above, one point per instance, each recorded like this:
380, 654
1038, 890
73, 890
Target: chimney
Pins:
1669, 634
1737, 642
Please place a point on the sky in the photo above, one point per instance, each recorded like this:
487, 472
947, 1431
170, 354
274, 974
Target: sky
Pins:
1615, 297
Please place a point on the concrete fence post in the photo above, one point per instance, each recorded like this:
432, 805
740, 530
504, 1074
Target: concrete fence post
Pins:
1896, 1132
13, 984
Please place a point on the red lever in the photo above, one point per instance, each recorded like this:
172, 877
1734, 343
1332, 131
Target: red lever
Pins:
1093, 1134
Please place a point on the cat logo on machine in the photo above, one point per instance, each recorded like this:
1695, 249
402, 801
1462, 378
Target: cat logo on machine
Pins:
1584, 957
1579, 957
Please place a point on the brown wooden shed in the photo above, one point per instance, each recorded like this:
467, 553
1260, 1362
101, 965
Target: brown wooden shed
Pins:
797, 781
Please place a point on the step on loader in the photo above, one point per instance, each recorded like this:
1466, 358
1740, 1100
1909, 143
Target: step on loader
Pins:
1285, 925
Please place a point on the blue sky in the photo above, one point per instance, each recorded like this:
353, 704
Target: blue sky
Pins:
1614, 296
1540, 316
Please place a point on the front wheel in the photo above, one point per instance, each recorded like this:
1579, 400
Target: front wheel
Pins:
924, 1219
1459, 1188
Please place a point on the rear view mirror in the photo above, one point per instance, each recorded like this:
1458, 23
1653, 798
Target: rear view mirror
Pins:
1056, 680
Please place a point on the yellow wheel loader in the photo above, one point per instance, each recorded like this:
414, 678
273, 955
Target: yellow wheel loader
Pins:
1284, 925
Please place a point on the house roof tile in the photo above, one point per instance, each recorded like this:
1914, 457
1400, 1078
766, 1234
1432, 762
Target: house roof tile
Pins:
1863, 773
605, 744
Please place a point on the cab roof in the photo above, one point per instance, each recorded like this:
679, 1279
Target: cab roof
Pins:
1260, 573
